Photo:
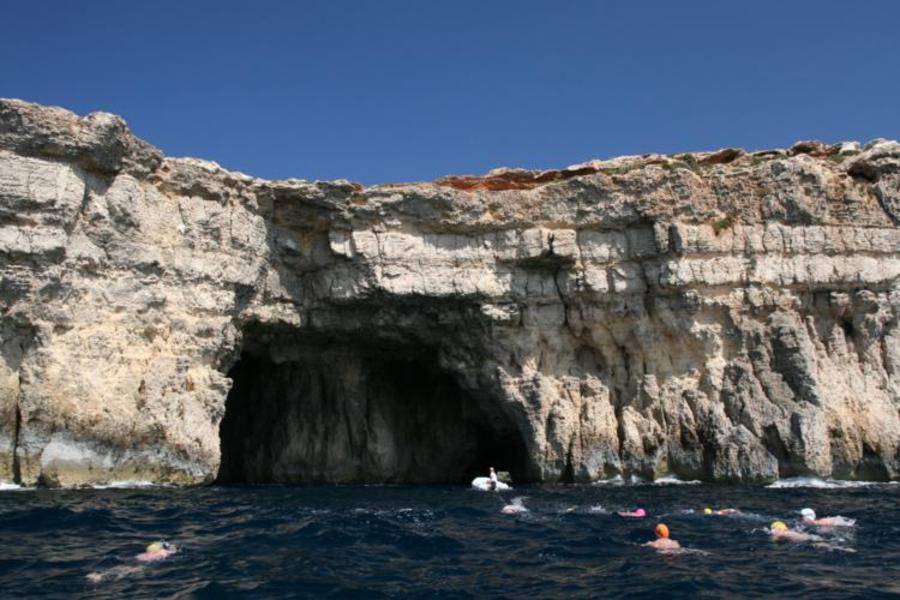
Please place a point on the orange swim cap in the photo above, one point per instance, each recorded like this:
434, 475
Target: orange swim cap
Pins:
662, 531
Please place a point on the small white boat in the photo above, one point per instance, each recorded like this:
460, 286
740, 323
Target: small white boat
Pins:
484, 484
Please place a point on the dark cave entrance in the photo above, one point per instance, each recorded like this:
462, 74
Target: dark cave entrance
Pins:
326, 415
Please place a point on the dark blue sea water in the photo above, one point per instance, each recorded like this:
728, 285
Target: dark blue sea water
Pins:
443, 542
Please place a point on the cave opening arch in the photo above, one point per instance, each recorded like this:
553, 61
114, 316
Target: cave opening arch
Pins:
304, 410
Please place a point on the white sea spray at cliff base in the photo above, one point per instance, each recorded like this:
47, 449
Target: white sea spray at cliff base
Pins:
128, 484
673, 480
824, 484
635, 480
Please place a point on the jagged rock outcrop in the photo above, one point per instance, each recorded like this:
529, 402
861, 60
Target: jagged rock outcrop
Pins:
726, 315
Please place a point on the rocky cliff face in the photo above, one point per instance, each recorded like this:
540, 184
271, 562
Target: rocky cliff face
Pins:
724, 315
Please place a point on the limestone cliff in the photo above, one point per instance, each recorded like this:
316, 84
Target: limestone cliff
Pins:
725, 315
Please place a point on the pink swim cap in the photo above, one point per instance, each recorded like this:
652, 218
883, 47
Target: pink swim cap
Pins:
641, 512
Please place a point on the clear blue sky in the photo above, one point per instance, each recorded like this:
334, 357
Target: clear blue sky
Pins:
381, 91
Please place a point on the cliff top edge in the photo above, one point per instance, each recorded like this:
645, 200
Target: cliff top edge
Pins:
102, 142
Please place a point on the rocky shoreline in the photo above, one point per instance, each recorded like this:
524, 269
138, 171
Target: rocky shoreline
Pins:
727, 316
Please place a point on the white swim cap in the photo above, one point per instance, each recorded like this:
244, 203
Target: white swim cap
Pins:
808, 513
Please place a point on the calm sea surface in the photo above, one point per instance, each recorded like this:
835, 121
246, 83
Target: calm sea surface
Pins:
443, 542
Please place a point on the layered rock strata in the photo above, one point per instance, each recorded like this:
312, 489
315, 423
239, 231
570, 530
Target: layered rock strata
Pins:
726, 316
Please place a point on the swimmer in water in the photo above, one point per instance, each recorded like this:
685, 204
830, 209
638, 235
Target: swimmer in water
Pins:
154, 552
780, 531
493, 476
808, 516
516, 507
723, 512
663, 543
635, 514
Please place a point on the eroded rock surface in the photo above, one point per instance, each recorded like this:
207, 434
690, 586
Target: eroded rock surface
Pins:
726, 315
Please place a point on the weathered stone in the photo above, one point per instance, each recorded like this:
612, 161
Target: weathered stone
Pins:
725, 316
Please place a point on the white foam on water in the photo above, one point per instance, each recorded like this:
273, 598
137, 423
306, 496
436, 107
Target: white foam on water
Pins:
684, 550
673, 480
617, 480
127, 484
635, 480
824, 484
5, 486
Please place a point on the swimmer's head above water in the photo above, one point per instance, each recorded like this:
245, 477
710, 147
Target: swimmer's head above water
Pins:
156, 551
157, 546
707, 511
663, 543
780, 531
808, 516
